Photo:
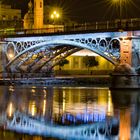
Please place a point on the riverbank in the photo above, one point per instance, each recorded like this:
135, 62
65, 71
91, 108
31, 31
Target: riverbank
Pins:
77, 80
103, 80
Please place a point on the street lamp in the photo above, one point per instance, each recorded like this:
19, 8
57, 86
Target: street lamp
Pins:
120, 6
54, 16
119, 2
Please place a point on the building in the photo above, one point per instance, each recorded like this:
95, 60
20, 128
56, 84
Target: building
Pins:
9, 18
76, 65
34, 18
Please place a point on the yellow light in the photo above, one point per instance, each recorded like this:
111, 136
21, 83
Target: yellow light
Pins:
54, 12
10, 109
52, 16
11, 55
11, 88
33, 90
44, 107
64, 101
32, 108
57, 15
109, 105
115, 1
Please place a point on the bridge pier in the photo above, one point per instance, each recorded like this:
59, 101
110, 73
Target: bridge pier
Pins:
124, 74
130, 51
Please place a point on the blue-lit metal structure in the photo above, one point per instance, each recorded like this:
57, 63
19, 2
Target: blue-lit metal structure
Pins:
95, 131
20, 50
99, 130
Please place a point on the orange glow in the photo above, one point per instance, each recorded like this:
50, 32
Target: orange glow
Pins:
125, 122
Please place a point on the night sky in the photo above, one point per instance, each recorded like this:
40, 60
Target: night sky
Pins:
88, 10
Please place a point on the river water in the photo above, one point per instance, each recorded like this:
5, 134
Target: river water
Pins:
42, 113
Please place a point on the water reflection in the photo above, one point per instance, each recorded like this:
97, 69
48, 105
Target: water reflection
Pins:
127, 102
67, 112
78, 106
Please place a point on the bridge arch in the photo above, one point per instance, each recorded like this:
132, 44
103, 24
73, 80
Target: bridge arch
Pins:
53, 43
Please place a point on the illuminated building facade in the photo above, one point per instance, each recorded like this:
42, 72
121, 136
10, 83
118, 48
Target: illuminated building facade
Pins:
9, 17
77, 66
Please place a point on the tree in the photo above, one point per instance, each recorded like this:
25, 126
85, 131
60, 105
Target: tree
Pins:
90, 61
63, 62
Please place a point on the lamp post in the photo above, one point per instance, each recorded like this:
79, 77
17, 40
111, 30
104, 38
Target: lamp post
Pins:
54, 16
119, 3
120, 12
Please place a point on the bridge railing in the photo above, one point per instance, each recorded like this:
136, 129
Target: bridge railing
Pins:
116, 25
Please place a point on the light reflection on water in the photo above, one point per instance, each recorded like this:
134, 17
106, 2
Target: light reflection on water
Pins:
74, 107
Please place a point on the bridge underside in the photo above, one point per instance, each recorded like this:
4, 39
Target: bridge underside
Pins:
41, 60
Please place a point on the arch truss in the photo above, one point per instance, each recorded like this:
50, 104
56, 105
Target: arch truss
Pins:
33, 56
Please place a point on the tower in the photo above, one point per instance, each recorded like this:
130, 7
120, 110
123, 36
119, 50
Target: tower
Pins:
38, 14
29, 17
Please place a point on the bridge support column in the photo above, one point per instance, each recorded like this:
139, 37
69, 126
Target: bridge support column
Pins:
125, 50
130, 51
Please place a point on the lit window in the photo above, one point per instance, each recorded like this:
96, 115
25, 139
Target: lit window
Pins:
40, 4
3, 17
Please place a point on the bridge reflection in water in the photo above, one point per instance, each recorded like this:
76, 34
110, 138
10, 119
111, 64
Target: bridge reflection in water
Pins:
70, 113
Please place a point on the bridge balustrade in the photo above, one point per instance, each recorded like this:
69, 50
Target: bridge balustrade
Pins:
129, 24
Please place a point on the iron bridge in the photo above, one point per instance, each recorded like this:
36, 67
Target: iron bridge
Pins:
36, 53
